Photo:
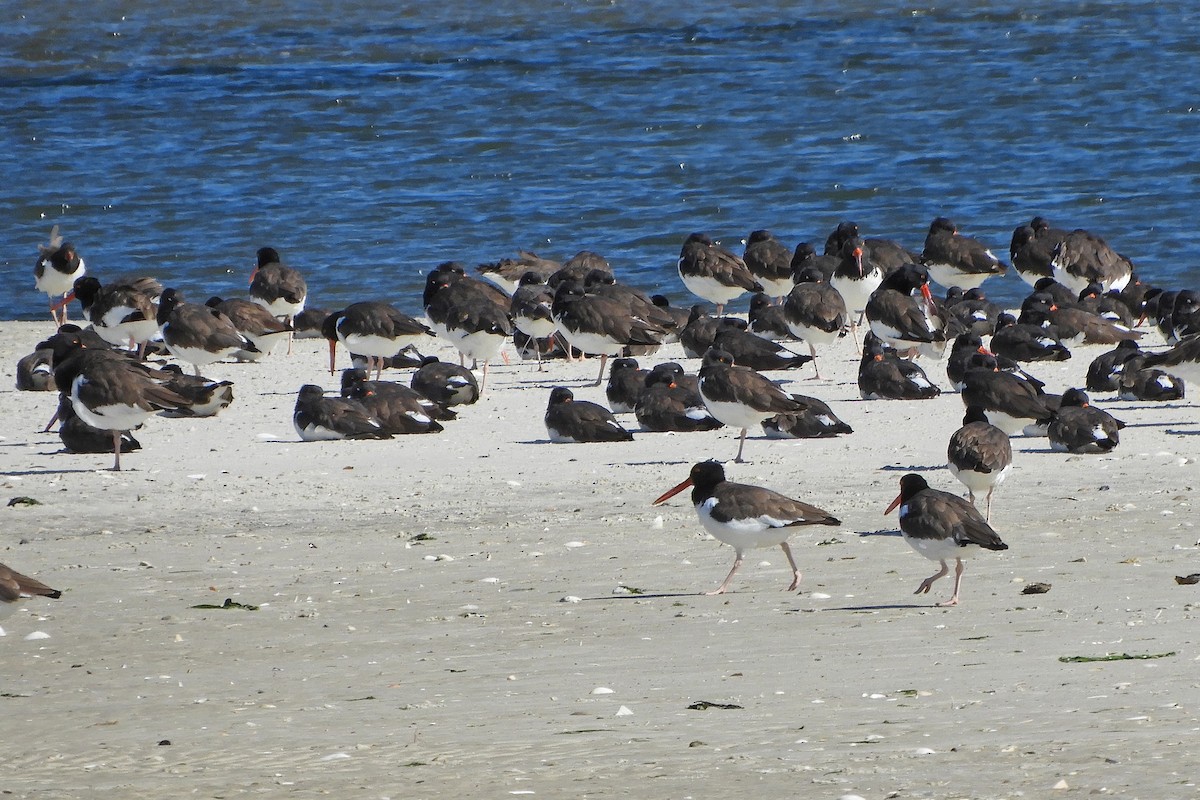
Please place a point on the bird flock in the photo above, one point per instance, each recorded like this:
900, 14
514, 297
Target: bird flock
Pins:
111, 375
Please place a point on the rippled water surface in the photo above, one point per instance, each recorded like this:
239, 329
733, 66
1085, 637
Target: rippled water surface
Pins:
371, 141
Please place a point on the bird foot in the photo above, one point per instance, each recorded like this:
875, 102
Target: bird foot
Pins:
953, 601
714, 592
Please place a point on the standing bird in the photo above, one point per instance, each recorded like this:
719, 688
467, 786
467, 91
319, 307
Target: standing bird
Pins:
15, 587
198, 334
1079, 427
739, 396
815, 312
255, 322
57, 268
1082, 258
887, 254
770, 262
941, 526
744, 516
466, 313
766, 320
1031, 249
530, 310
1010, 403
374, 329
571, 421
900, 318
711, 272
318, 418
278, 288
856, 279
109, 390
956, 260
979, 455
124, 313
598, 325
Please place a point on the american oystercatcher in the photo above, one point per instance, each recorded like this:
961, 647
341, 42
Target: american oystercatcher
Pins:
815, 312
979, 455
739, 396
278, 288
15, 587
57, 268
198, 334
374, 329
318, 418
745, 517
770, 262
1080, 427
956, 260
712, 273
941, 526
570, 421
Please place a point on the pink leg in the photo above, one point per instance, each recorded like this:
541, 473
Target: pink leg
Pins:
737, 562
958, 571
787, 551
483, 378
816, 370
741, 444
117, 450
928, 582
600, 377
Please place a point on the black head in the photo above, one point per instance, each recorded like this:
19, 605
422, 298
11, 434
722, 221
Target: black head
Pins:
560, 395
1075, 397
531, 278
707, 474
622, 365
758, 301
310, 392
715, 357
759, 236
942, 225
974, 414
267, 255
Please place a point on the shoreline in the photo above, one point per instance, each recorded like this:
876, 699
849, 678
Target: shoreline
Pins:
412, 638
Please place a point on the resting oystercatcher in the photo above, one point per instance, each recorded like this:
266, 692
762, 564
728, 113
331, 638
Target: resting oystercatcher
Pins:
745, 517
398, 408
466, 313
598, 325
508, 272
979, 455
941, 526
123, 313
669, 402
901, 319
884, 375
956, 260
711, 272
1031, 249
444, 383
770, 262
1082, 258
1010, 403
278, 288
530, 310
109, 390
815, 312
1079, 427
198, 334
626, 382
817, 421
739, 396
255, 322
318, 418
570, 421
374, 329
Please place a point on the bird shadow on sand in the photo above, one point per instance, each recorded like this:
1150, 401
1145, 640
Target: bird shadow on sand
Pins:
1182, 433
884, 532
912, 468
26, 473
883, 607
645, 596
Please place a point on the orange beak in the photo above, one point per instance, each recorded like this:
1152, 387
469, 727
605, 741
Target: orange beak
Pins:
926, 293
332, 354
253, 273
664, 498
68, 297
895, 503
858, 260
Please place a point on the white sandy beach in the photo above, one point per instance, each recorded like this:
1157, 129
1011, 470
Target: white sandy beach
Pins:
412, 638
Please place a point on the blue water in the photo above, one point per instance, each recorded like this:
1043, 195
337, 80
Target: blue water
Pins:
375, 140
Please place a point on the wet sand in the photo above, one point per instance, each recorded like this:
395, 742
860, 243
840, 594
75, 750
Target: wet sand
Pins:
481, 613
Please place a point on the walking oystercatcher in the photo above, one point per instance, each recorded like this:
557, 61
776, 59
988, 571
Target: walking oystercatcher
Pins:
941, 526
745, 517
